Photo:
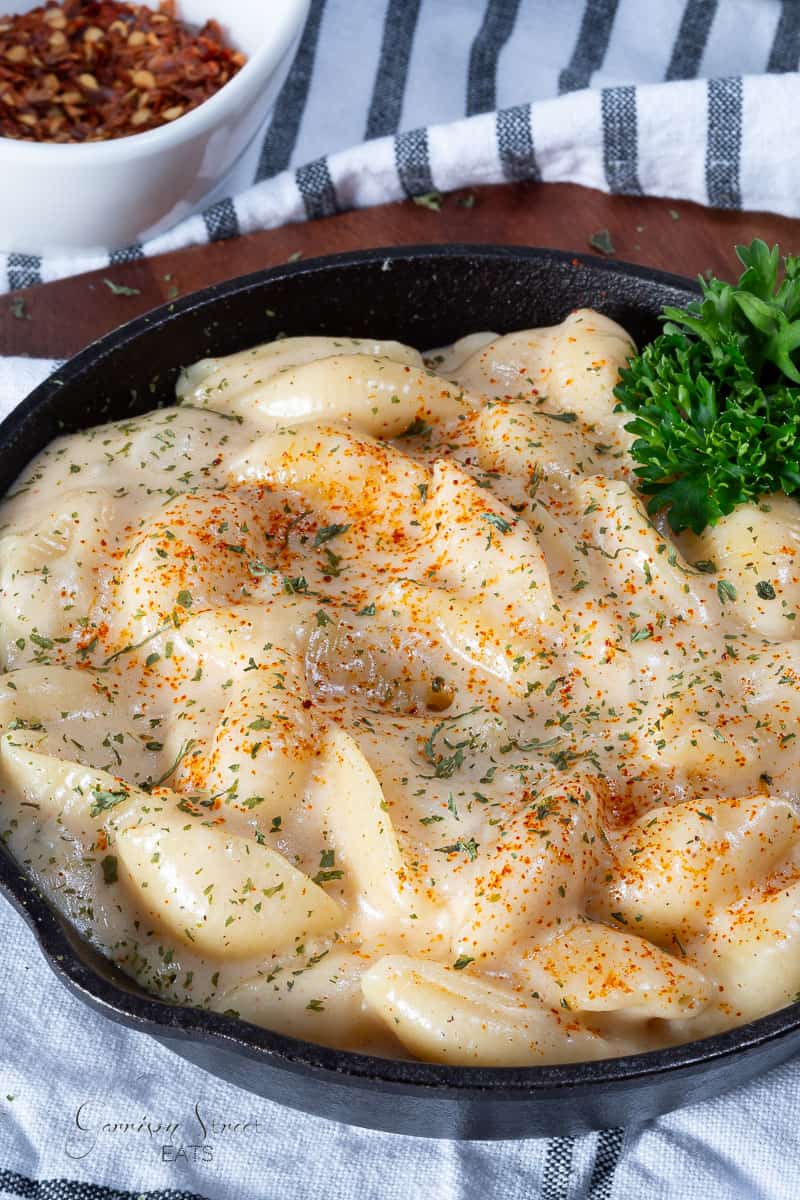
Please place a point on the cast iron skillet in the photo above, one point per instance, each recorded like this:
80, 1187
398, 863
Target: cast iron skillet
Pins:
425, 296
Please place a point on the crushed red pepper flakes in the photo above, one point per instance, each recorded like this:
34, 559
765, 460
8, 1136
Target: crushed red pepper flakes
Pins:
87, 72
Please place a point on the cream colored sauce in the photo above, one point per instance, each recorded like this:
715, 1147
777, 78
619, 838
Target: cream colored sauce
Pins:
360, 697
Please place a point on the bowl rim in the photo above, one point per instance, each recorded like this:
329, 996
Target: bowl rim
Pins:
148, 1014
283, 27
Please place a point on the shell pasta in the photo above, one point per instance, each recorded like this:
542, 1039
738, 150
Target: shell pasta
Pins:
356, 695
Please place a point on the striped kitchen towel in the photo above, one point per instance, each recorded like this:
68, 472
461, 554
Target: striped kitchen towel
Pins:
690, 99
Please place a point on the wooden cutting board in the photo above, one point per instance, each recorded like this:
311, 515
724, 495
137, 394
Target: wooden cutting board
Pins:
57, 319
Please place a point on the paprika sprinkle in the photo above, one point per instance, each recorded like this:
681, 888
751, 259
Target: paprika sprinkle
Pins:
88, 72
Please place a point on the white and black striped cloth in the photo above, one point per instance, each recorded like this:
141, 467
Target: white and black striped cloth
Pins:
690, 99
694, 99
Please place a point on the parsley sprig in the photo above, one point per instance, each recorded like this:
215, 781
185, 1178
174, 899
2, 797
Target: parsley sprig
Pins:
716, 396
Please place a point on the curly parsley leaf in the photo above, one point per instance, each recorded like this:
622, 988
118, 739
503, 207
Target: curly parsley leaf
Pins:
715, 397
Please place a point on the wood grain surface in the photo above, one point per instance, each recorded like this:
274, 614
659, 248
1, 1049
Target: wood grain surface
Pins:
58, 319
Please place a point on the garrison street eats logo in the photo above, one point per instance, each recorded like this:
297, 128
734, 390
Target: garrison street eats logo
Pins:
196, 1138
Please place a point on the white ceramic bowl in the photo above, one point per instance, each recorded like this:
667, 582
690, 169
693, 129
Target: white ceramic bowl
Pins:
105, 195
